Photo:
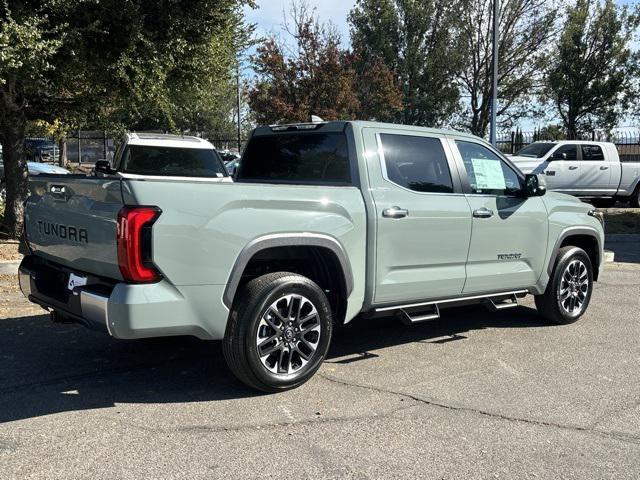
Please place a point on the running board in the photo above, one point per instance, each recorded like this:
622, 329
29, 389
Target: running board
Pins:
502, 304
432, 312
451, 300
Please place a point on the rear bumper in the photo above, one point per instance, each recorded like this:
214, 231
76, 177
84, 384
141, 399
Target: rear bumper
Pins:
124, 310
83, 305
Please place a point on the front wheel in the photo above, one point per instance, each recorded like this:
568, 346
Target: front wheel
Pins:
568, 292
278, 332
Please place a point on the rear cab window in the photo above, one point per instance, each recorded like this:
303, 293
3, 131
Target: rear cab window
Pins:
171, 161
318, 158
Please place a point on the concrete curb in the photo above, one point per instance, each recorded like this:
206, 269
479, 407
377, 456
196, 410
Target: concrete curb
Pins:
9, 267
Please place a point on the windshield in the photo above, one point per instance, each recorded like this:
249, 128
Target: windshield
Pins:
535, 150
297, 158
169, 161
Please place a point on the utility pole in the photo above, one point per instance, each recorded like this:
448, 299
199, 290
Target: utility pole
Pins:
494, 96
238, 104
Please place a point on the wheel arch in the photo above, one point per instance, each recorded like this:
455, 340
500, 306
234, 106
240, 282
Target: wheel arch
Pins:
325, 257
585, 238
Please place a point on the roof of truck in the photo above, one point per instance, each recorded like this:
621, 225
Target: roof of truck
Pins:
338, 125
167, 140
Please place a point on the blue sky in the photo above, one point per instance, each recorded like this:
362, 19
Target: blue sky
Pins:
268, 17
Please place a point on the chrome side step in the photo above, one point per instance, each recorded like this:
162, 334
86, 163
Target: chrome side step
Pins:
496, 305
432, 312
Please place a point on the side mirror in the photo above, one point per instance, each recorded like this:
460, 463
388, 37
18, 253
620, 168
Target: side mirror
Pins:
559, 156
103, 166
534, 185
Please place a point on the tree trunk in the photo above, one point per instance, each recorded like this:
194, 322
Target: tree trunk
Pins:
62, 151
16, 174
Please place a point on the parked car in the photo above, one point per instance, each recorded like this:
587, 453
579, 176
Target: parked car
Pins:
232, 166
590, 170
34, 168
326, 221
162, 155
228, 156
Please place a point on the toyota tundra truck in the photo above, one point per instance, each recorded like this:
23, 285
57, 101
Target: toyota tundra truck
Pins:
324, 222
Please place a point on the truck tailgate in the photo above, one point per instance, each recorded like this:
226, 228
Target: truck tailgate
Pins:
72, 220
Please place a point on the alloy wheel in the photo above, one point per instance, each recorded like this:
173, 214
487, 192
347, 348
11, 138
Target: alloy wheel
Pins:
288, 334
574, 287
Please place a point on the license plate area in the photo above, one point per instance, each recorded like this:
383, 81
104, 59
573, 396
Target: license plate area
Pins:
76, 281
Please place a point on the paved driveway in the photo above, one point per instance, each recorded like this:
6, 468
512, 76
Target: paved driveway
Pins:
473, 395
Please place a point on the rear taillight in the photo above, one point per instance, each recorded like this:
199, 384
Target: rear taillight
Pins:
134, 244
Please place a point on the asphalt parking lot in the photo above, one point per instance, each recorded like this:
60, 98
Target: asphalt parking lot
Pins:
473, 395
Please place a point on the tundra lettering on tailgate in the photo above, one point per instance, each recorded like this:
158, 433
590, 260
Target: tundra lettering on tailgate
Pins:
65, 232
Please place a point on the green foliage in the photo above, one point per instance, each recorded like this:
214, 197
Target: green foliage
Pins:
163, 64
318, 77
526, 28
589, 77
417, 43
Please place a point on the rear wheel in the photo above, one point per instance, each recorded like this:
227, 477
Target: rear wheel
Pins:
635, 198
278, 332
568, 292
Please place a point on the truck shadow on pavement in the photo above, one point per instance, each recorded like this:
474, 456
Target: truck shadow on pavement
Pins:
48, 368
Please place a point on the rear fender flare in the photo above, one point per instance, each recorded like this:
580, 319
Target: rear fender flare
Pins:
285, 240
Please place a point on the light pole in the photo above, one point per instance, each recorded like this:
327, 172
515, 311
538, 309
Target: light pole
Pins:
238, 104
494, 95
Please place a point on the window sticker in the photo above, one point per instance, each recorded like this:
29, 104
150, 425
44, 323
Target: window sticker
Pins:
488, 173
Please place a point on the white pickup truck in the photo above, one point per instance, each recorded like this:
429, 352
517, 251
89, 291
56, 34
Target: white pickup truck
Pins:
585, 169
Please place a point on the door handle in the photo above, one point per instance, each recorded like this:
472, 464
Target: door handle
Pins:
573, 168
483, 213
604, 168
395, 212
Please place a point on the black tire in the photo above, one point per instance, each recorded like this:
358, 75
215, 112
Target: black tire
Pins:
603, 202
635, 198
550, 304
252, 315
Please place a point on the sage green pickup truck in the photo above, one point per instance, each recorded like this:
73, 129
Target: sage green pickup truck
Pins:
324, 222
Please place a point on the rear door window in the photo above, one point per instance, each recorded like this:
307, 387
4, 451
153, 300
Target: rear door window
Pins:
592, 152
416, 163
169, 161
316, 158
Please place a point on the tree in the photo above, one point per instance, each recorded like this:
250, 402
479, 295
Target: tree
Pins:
417, 42
525, 28
589, 76
112, 61
316, 76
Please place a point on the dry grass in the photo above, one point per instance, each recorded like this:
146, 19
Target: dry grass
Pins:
9, 250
